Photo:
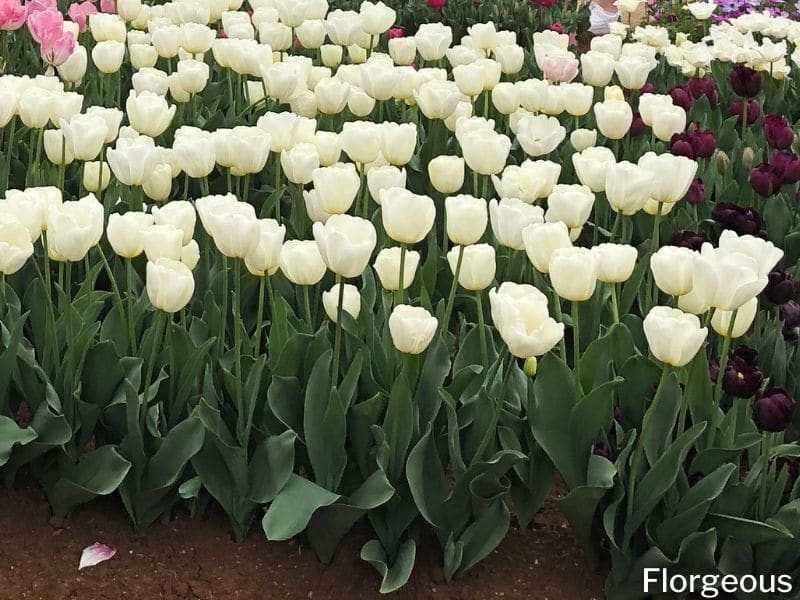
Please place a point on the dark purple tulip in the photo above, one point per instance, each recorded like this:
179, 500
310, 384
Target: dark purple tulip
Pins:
703, 142
766, 179
787, 165
741, 219
742, 378
681, 145
713, 369
778, 132
688, 239
703, 86
637, 125
745, 81
681, 97
696, 193
600, 449
753, 110
790, 313
773, 409
781, 287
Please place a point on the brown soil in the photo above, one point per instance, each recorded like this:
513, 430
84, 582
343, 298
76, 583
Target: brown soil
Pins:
188, 559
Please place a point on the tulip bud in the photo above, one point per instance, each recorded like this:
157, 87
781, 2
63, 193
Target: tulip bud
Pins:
581, 139
107, 56
148, 113
542, 239
73, 69
511, 58
264, 258
773, 410
170, 284
351, 301
387, 266
384, 178
345, 243
407, 217
591, 166
478, 266
748, 158
399, 142
722, 322
466, 218
412, 328
615, 262
73, 228
125, 233
190, 254
336, 187
300, 162
520, 314
573, 273
157, 184
446, 174
673, 336
180, 214
301, 262
57, 148
509, 217
331, 55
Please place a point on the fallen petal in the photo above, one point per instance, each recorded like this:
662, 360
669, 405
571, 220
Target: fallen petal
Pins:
95, 554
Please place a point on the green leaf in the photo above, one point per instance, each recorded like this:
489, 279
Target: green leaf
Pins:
271, 466
592, 415
11, 435
426, 479
483, 535
398, 425
180, 444
699, 391
659, 420
554, 398
752, 532
660, 478
395, 576
615, 347
293, 507
632, 287
8, 360
99, 474
434, 372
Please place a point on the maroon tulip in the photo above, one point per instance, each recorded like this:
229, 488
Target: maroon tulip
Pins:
713, 369
742, 377
778, 132
600, 449
436, 4
557, 27
543, 3
781, 287
753, 110
681, 97
703, 142
681, 145
637, 125
745, 81
688, 239
697, 192
396, 32
703, 86
773, 410
787, 164
790, 313
766, 179
741, 219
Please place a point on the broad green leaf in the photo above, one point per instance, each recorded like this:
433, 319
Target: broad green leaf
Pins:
293, 507
11, 435
396, 575
271, 466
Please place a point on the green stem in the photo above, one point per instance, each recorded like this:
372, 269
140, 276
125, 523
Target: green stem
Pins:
723, 365
400, 287
453, 288
562, 348
576, 345
337, 343
614, 302
173, 376
160, 319
262, 285
766, 448
131, 304
482, 325
237, 332
7, 175
223, 322
307, 307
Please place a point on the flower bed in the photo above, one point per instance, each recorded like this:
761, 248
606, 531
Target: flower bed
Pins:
427, 279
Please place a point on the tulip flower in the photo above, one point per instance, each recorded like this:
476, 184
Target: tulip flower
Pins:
263, 259
571, 204
446, 173
466, 219
735, 324
762, 251
781, 288
573, 273
73, 228
519, 312
778, 132
673, 269
346, 244
301, 262
591, 166
673, 336
726, 280
15, 245
148, 113
745, 81
170, 284
539, 135
388, 264
412, 328
125, 232
773, 410
509, 217
384, 178
542, 239
614, 118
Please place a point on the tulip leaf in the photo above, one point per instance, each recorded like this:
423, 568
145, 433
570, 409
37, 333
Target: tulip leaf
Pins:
396, 575
293, 507
8, 358
483, 535
752, 532
11, 435
613, 347
659, 420
435, 370
633, 287
271, 466
426, 479
591, 415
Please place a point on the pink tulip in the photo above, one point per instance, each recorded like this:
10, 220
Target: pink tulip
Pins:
108, 6
32, 6
79, 13
44, 23
12, 15
396, 32
560, 68
436, 4
57, 48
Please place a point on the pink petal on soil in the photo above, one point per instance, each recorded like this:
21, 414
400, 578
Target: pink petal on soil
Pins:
95, 554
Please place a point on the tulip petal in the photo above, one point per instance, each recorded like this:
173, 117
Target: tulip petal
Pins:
95, 554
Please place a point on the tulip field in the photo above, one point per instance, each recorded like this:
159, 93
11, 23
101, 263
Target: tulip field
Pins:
407, 270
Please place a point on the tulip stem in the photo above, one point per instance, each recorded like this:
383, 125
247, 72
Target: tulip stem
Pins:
7, 175
615, 227
400, 276
160, 317
223, 326
723, 365
560, 318
278, 190
576, 345
114, 286
337, 342
262, 284
131, 300
615, 302
482, 325
307, 307
766, 448
453, 287
173, 377
475, 184
237, 331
